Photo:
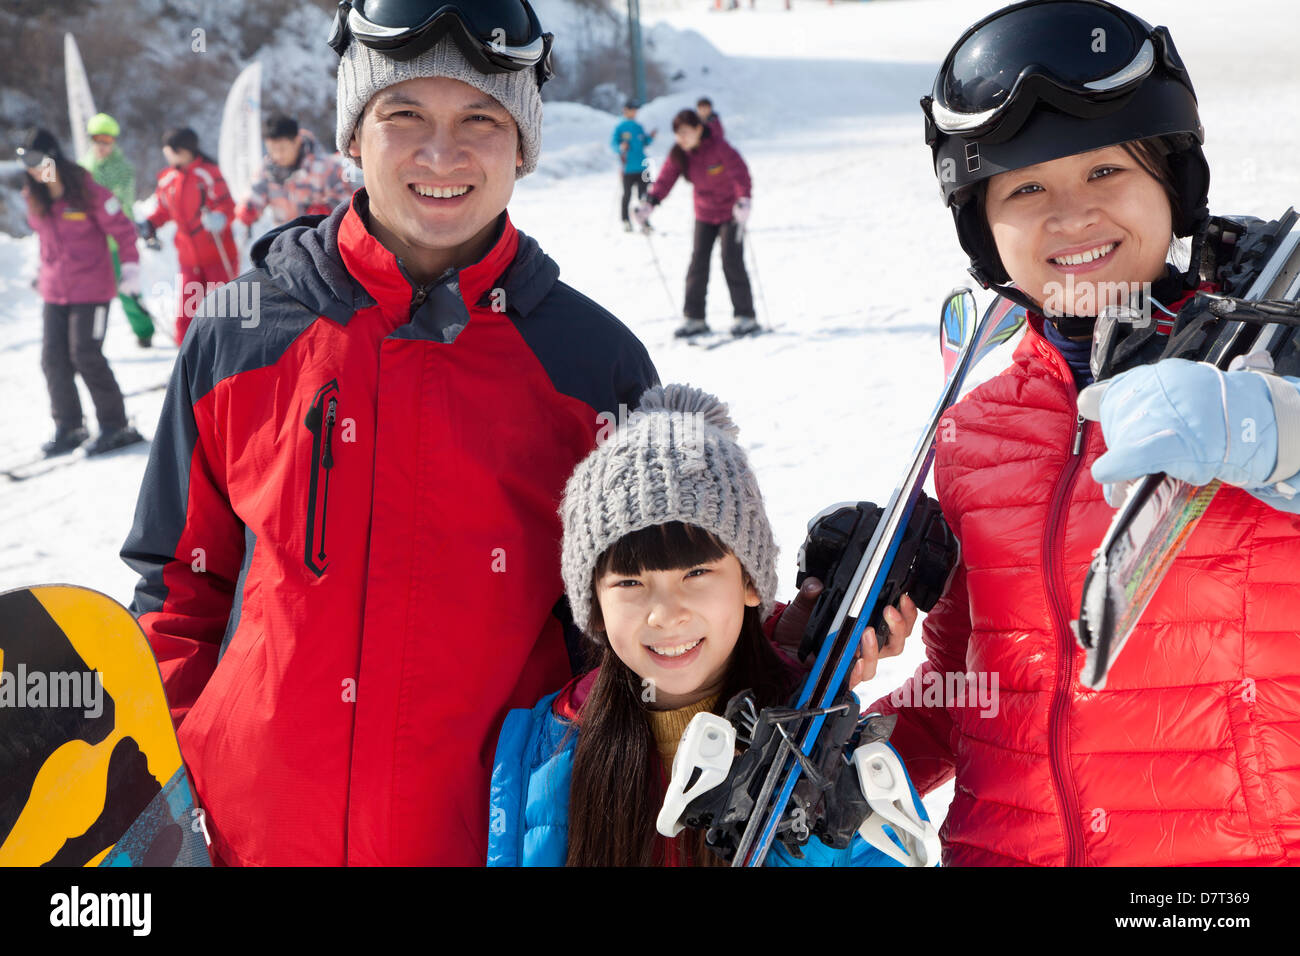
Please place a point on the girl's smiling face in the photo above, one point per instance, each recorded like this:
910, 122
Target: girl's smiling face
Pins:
1081, 232
677, 629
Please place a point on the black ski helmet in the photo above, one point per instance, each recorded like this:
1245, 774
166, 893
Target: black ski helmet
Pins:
1044, 79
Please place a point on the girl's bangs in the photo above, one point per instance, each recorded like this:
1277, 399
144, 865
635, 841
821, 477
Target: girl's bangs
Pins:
661, 547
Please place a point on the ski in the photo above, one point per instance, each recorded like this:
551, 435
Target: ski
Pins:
716, 340
146, 389
789, 783
960, 311
36, 467
1155, 521
827, 681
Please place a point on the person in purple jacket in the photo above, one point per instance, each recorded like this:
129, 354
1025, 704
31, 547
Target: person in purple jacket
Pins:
73, 215
722, 202
704, 106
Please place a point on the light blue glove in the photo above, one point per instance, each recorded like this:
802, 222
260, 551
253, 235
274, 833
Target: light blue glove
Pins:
212, 220
1195, 422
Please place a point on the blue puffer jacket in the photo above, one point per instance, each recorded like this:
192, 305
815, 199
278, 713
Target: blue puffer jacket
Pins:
528, 817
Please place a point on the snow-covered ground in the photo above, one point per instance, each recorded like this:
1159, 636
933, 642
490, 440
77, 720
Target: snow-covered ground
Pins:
850, 249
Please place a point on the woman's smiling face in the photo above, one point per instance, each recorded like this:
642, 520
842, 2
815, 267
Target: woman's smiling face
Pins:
1081, 232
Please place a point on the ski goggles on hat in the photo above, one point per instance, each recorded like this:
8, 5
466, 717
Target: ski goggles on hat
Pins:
1079, 56
496, 36
32, 157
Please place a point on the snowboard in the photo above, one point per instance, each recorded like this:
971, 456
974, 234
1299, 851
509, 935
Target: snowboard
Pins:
90, 771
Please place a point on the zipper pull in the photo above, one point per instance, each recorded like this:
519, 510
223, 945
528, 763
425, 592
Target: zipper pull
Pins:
327, 459
1078, 436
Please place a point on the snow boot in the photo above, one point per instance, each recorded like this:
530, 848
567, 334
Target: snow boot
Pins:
145, 341
744, 325
111, 440
692, 327
64, 441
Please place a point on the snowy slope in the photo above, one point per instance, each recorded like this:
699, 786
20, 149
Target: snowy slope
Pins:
851, 248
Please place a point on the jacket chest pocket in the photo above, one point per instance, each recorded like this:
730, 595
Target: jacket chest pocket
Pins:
320, 421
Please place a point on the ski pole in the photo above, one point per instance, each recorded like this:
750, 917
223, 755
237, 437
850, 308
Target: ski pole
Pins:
753, 265
225, 259
660, 269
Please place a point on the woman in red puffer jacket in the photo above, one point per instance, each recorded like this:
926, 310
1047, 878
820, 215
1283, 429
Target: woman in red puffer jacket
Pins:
1190, 755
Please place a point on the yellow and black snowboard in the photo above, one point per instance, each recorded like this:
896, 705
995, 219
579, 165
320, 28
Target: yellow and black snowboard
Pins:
90, 773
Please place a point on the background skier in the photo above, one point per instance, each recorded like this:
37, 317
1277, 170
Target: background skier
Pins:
299, 176
112, 170
73, 216
630, 140
192, 193
722, 204
704, 108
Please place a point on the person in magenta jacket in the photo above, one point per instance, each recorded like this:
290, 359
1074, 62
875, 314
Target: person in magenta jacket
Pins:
73, 216
722, 202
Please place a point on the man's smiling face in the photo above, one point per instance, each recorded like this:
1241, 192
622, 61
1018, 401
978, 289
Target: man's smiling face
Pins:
440, 159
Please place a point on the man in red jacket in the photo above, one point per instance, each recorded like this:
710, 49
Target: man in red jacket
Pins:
192, 193
348, 534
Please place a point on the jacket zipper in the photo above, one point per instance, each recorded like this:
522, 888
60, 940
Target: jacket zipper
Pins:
327, 462
320, 421
1055, 584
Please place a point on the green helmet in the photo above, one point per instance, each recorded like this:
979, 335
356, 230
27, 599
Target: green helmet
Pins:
101, 124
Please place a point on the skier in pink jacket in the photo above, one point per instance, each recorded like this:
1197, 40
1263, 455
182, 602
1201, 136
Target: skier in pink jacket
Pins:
72, 215
722, 199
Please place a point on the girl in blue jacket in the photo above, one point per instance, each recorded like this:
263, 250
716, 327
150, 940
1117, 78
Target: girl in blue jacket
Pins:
670, 567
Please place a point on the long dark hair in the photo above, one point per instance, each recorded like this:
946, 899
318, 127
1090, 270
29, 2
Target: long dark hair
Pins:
616, 787
687, 118
73, 179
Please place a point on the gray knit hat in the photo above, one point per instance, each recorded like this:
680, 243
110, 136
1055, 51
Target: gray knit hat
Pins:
675, 459
363, 72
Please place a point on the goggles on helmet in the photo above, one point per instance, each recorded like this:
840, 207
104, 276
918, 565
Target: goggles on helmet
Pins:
996, 74
496, 36
32, 157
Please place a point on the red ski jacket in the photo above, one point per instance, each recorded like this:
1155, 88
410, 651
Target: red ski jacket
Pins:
1191, 753
183, 194
348, 536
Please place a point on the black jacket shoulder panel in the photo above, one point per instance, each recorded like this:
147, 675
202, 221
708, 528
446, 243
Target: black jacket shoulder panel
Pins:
587, 353
246, 324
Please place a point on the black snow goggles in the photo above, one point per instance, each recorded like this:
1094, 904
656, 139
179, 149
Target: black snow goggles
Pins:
496, 36
32, 157
1076, 55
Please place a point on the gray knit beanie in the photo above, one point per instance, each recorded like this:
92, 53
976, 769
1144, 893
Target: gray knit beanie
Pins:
363, 72
675, 459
